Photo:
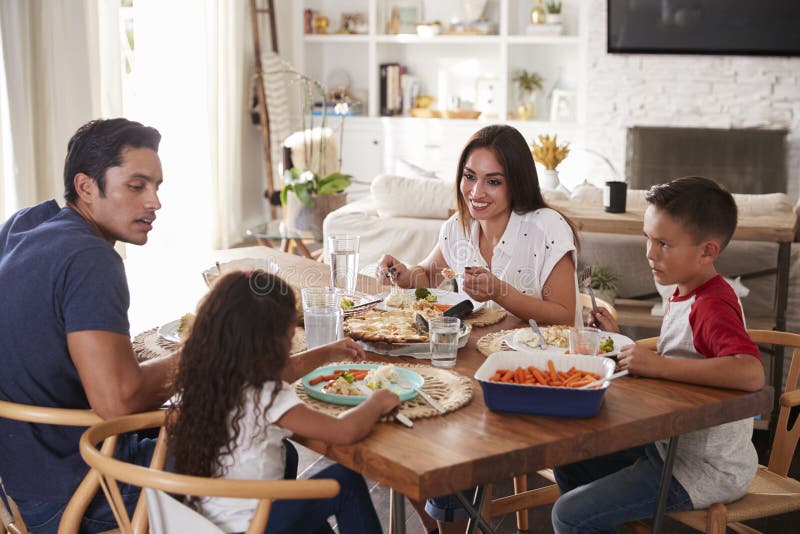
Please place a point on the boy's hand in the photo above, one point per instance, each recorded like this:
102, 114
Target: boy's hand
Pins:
602, 320
345, 348
639, 360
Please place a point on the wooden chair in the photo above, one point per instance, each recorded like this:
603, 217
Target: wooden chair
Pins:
586, 303
111, 470
524, 498
87, 489
772, 491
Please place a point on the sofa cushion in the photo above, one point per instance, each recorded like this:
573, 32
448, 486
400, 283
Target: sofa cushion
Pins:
424, 198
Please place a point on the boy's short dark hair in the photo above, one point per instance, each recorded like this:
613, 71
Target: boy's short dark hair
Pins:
98, 145
705, 209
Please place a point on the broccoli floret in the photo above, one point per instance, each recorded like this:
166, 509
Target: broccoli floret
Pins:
422, 293
347, 376
431, 298
607, 345
346, 304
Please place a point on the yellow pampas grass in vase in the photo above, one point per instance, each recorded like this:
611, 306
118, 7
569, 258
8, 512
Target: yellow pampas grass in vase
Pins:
549, 153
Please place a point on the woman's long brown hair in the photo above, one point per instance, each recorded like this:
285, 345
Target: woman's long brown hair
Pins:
239, 341
514, 155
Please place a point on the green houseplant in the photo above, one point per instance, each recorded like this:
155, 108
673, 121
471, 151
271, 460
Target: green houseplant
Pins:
310, 191
528, 85
604, 283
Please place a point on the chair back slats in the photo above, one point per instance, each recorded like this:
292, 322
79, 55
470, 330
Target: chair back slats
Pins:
86, 490
139, 521
784, 443
113, 470
259, 522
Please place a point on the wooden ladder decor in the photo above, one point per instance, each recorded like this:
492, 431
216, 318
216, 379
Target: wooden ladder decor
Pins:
255, 15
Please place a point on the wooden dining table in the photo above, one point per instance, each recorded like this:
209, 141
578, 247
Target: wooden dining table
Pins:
473, 446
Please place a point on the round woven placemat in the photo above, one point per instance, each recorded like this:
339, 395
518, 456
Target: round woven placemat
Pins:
148, 344
451, 389
493, 342
486, 316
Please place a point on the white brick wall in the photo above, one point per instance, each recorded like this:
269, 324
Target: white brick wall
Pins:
689, 91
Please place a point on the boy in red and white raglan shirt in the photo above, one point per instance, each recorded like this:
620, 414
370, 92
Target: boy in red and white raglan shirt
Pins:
703, 340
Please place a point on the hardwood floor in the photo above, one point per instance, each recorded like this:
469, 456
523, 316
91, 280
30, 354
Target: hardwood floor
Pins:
538, 518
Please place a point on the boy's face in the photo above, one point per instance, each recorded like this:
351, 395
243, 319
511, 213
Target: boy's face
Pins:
672, 253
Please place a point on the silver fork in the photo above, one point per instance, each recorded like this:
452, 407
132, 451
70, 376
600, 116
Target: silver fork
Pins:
586, 282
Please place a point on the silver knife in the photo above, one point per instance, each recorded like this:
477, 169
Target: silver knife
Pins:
365, 304
535, 328
399, 417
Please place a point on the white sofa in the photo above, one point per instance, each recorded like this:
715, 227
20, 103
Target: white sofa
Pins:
402, 217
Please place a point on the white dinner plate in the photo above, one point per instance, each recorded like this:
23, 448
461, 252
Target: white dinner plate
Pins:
442, 297
169, 331
619, 341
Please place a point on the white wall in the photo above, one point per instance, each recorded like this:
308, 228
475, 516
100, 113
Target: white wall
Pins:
625, 90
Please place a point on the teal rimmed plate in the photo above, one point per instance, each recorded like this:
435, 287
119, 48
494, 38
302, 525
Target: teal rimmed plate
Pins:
316, 392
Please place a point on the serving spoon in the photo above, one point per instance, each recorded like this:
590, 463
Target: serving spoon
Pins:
600, 381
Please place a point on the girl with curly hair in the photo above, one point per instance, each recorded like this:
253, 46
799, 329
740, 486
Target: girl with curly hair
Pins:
235, 408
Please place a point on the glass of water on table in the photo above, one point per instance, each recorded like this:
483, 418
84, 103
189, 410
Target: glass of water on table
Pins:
322, 315
343, 250
443, 333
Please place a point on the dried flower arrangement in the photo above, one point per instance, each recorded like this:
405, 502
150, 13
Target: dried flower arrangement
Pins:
548, 151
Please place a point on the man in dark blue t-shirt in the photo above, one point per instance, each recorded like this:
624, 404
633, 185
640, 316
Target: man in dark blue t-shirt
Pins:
64, 334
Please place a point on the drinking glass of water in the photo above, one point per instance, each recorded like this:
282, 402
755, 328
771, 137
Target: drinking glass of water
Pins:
322, 315
443, 333
344, 261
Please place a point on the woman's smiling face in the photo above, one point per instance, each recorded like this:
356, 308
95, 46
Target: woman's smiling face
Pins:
484, 186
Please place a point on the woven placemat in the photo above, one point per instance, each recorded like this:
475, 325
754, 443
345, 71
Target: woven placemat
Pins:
486, 316
493, 342
451, 389
148, 344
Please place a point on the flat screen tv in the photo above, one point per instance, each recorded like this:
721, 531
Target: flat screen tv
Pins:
735, 27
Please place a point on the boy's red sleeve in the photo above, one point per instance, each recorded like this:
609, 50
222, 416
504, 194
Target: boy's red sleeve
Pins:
718, 328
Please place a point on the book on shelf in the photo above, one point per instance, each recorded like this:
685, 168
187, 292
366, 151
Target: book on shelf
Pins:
391, 91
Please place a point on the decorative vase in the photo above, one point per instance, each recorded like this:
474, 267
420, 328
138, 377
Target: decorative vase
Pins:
301, 218
548, 179
537, 13
526, 108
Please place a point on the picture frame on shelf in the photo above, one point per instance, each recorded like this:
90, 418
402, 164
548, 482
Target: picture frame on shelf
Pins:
402, 16
563, 105
354, 22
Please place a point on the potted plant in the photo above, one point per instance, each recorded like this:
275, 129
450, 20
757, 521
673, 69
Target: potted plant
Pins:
310, 191
528, 85
553, 15
604, 283
549, 153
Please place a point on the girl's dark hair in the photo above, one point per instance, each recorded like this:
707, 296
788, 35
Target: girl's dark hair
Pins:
98, 145
514, 155
702, 206
239, 341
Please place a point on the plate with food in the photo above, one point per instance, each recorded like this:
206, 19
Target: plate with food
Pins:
440, 299
556, 337
175, 331
395, 327
346, 383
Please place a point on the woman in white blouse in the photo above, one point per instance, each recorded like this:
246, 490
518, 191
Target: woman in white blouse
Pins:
512, 248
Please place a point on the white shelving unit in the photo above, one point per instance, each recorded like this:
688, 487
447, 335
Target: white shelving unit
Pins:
446, 67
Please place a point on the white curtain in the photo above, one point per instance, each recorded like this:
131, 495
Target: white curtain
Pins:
190, 84
60, 70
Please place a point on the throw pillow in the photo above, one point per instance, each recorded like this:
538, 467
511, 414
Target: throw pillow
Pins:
401, 196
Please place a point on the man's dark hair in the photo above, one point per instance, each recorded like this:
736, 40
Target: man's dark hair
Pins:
98, 145
705, 209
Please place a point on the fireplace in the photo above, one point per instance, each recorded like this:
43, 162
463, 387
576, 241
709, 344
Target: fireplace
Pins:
742, 160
